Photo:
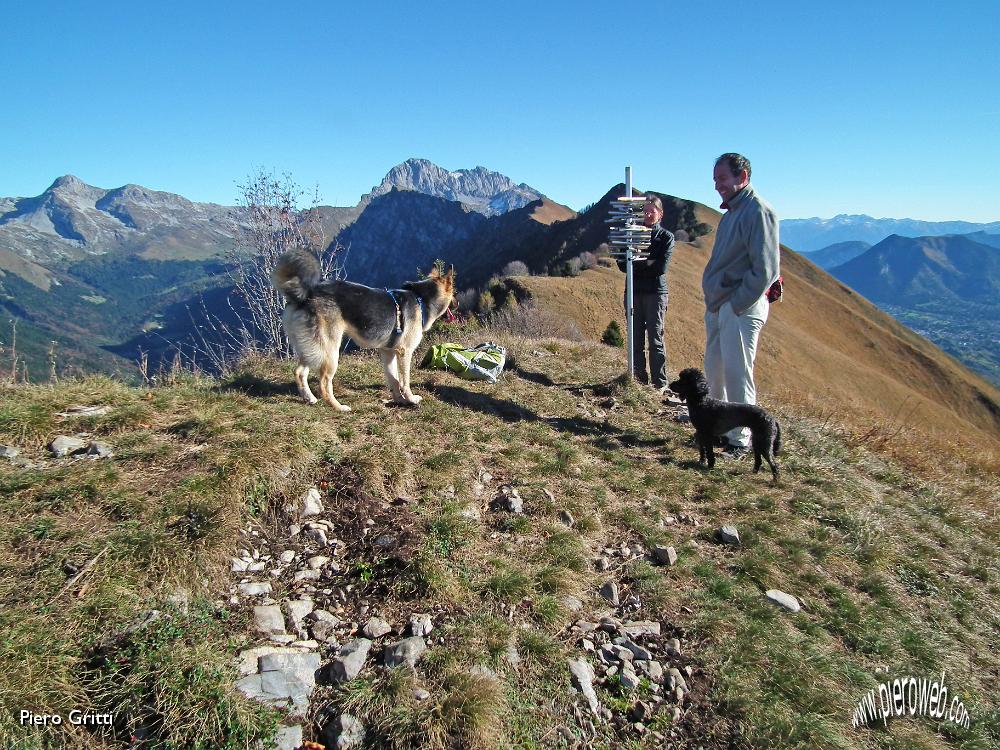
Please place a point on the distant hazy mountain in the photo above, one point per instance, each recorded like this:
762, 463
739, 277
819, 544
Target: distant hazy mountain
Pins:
945, 288
908, 271
809, 235
487, 192
837, 254
72, 220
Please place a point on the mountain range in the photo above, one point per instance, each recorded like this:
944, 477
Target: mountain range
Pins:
106, 274
810, 235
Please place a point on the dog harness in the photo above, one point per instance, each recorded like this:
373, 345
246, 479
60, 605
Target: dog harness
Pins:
399, 315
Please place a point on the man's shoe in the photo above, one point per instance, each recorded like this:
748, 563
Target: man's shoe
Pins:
735, 452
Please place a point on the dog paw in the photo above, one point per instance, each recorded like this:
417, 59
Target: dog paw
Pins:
415, 399
342, 407
312, 401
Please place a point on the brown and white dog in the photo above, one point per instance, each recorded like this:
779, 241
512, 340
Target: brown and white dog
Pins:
318, 314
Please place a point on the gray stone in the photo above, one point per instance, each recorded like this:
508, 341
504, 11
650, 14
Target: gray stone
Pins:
652, 669
610, 592
349, 662
298, 610
9, 451
420, 694
641, 627
240, 565
602, 563
583, 680
572, 603
639, 652
471, 513
268, 620
306, 575
288, 738
317, 562
352, 733
64, 445
665, 555
302, 665
310, 504
285, 677
247, 661
674, 647
729, 535
513, 657
784, 600
407, 651
283, 638
287, 556
324, 630
255, 588
510, 499
421, 624
376, 627
629, 679
610, 625
99, 449
676, 678
317, 535
84, 411
567, 518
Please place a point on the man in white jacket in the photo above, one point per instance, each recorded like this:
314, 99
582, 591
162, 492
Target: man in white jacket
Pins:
744, 264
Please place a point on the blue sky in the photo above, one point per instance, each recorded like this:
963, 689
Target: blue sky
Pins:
884, 108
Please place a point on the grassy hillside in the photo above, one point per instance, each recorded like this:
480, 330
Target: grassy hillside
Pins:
896, 569
824, 349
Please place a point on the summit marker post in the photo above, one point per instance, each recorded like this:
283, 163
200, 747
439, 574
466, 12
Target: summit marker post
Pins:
629, 239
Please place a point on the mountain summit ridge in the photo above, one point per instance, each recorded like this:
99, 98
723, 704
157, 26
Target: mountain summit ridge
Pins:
485, 191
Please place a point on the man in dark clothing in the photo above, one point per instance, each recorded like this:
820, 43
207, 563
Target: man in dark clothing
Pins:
649, 298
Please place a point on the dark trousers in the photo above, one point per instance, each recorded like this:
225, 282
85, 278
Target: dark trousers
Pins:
649, 310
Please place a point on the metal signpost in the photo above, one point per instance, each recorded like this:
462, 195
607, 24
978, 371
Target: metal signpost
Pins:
629, 239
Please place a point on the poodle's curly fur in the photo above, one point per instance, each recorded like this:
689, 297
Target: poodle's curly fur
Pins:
712, 417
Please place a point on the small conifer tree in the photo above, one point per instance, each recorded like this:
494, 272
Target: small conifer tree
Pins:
612, 335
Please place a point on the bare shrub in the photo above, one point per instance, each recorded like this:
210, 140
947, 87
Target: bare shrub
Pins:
587, 260
531, 321
515, 268
272, 223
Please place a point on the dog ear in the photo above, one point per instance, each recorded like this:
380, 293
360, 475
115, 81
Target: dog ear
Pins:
434, 273
449, 280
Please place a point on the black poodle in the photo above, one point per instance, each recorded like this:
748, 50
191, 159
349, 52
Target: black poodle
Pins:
712, 417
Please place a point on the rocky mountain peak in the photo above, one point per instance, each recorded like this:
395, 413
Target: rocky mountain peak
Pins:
483, 190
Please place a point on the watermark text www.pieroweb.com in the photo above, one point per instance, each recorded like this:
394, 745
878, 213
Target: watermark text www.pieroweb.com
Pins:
910, 696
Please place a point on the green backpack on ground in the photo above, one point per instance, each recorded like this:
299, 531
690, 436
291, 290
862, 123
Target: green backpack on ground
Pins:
483, 362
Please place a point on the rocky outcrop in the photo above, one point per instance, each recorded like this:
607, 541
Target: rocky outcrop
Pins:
484, 191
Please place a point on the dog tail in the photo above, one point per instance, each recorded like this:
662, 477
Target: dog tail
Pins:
297, 274
777, 437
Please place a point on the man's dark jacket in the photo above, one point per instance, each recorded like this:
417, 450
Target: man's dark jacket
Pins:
650, 275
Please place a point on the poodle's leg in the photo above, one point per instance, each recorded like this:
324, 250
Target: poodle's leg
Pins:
775, 473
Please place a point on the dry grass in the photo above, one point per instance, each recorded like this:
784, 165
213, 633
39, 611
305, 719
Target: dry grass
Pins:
893, 568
